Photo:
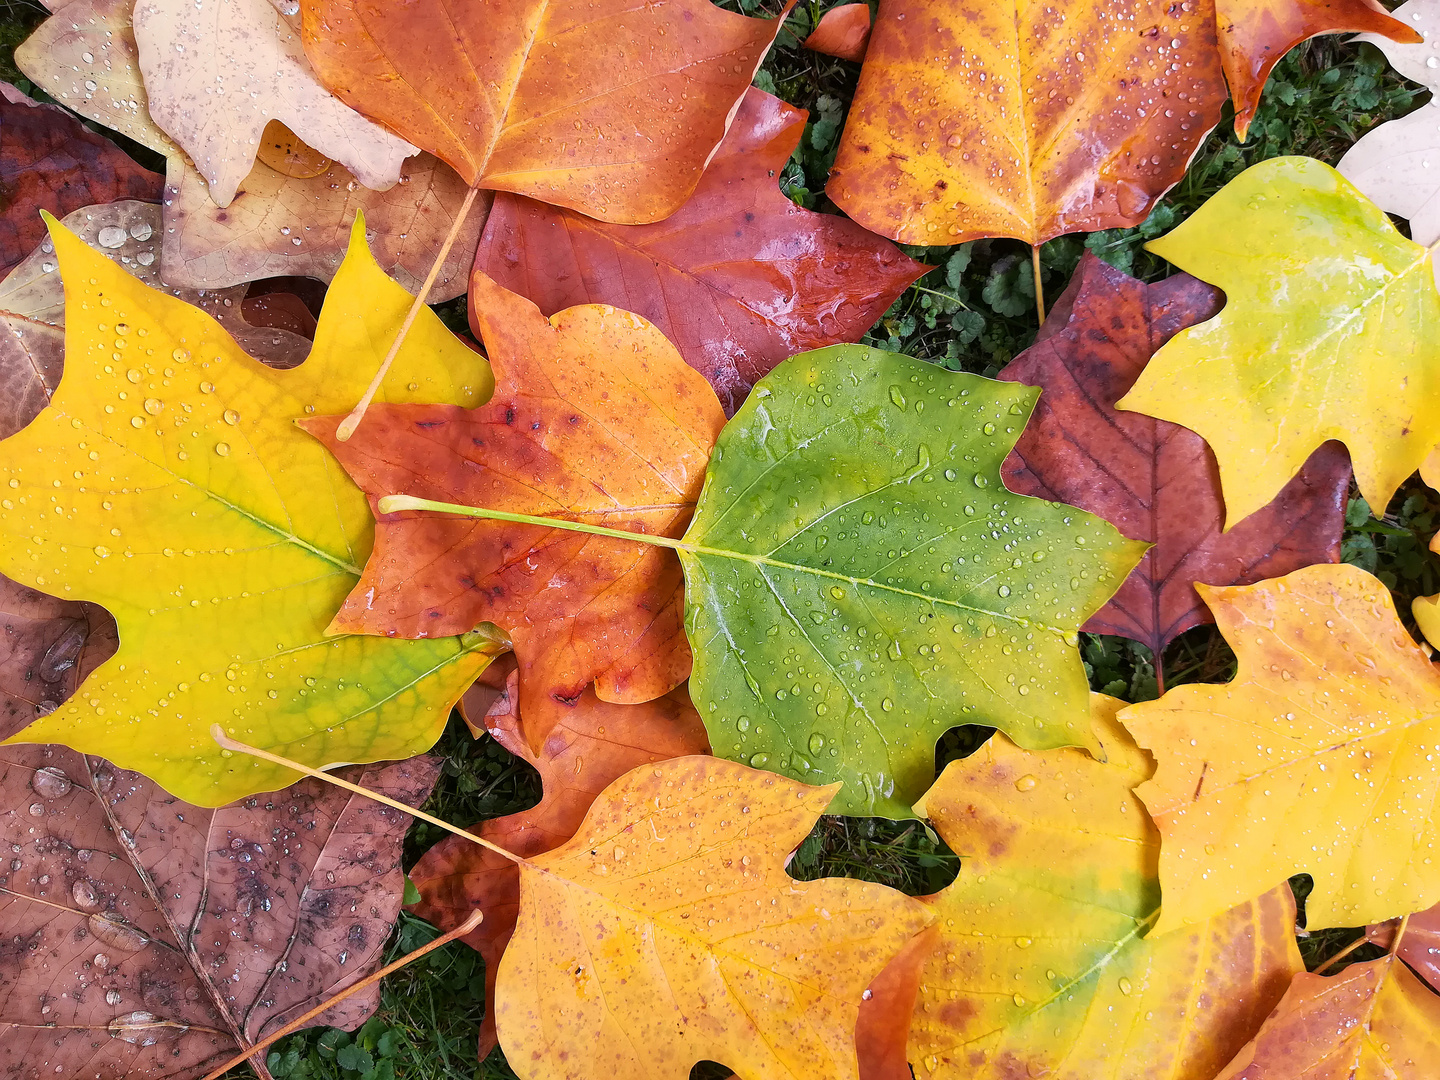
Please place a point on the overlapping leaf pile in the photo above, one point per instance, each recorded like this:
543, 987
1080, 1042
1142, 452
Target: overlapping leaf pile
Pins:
672, 536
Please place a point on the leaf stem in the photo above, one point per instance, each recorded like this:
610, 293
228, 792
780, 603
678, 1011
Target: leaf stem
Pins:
370, 980
350, 423
390, 504
1039, 283
1332, 961
226, 742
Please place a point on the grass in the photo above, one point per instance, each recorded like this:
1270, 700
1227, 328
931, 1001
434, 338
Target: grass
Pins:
974, 313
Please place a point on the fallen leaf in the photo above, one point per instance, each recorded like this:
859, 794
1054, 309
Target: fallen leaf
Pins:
217, 74
1048, 963
194, 519
859, 581
667, 932
1327, 334
1152, 480
591, 744
595, 417
1314, 760
1015, 127
148, 937
842, 32
887, 1007
1255, 34
209, 247
1390, 164
608, 108
1371, 1020
47, 648
1419, 946
738, 278
49, 161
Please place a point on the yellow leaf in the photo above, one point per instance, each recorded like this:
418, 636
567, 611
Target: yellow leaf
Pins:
668, 932
1331, 330
1046, 965
168, 482
1321, 757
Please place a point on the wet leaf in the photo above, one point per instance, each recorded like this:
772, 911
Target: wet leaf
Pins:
1419, 946
172, 487
977, 119
149, 937
1047, 963
1372, 1019
49, 161
860, 581
667, 932
738, 278
1316, 759
842, 32
1327, 333
595, 417
1152, 480
88, 59
606, 108
47, 647
217, 74
591, 744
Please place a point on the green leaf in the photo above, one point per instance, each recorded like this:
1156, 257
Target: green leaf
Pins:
858, 580
412, 894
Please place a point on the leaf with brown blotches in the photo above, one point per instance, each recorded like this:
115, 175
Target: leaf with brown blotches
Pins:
739, 278
595, 417
601, 106
668, 932
148, 937
591, 744
842, 32
1154, 481
1419, 946
49, 161
1372, 1020
216, 74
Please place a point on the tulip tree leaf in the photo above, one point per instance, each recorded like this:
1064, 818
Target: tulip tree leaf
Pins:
859, 580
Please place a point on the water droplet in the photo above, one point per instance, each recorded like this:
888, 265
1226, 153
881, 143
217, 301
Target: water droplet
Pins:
50, 783
1126, 987
1026, 783
759, 761
897, 397
153, 406
981, 480
817, 743
231, 417
988, 429
223, 449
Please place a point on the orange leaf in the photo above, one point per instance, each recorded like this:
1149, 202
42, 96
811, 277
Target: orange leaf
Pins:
1420, 947
1255, 34
888, 1005
595, 416
605, 106
842, 31
591, 744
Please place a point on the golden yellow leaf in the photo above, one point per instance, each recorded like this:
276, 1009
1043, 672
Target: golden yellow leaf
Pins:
1046, 963
1321, 757
668, 932
168, 482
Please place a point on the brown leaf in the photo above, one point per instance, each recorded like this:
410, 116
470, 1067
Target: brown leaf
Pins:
48, 161
591, 743
1420, 947
594, 416
1155, 481
843, 32
608, 107
739, 278
148, 937
47, 647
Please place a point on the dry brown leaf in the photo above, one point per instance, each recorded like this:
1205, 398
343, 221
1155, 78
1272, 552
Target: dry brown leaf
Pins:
47, 647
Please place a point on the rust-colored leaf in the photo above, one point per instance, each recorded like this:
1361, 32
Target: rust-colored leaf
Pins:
739, 278
882, 1033
1255, 34
48, 161
591, 744
595, 416
602, 106
1154, 481
148, 937
842, 32
1372, 1020
1420, 945
1027, 119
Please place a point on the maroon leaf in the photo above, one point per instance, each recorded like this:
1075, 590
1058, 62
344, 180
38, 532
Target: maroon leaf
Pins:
47, 647
49, 161
147, 937
1153, 480
739, 278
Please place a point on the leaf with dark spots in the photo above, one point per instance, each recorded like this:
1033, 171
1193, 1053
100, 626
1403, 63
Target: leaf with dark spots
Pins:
590, 745
739, 278
148, 937
1153, 480
48, 161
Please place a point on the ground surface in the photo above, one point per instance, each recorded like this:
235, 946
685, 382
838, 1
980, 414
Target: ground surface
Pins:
974, 314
